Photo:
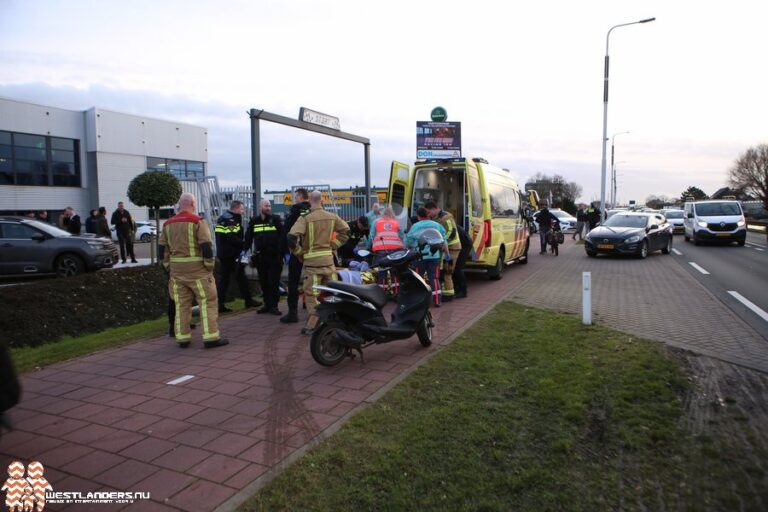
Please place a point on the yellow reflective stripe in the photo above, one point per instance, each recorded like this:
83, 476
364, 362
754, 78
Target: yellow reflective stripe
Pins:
185, 259
258, 228
191, 234
311, 236
177, 319
203, 308
315, 282
166, 230
225, 229
317, 254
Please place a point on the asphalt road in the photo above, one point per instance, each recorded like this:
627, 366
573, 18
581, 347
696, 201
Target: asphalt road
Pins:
736, 275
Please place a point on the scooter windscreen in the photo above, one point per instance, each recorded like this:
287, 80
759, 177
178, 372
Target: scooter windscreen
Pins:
432, 239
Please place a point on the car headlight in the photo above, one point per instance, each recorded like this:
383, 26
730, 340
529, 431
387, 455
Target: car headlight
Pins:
701, 224
741, 223
96, 244
632, 239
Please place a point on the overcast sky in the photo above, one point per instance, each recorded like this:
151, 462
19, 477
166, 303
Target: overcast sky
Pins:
524, 78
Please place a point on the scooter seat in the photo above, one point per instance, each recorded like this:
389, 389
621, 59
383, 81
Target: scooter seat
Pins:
369, 292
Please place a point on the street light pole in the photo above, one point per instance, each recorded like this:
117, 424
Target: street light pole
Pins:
605, 111
613, 170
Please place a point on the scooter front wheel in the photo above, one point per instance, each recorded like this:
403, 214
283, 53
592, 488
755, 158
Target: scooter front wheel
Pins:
424, 332
324, 347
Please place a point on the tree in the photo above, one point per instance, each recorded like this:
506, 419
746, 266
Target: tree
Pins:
750, 173
154, 190
562, 192
694, 192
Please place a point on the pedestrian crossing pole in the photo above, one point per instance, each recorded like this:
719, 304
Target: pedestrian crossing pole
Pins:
586, 298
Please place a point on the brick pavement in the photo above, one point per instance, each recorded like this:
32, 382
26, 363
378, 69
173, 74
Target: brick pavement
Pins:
654, 299
110, 421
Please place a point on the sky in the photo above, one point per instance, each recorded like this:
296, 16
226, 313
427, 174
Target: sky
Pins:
525, 79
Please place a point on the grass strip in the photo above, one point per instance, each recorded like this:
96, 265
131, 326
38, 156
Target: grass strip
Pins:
528, 410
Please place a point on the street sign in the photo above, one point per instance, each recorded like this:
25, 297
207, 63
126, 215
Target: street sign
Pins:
318, 118
439, 115
438, 140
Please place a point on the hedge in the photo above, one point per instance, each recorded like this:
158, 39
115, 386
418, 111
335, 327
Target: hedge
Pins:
44, 311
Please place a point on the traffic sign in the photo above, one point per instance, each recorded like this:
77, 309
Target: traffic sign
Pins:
439, 114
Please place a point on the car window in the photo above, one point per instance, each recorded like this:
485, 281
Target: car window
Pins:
674, 215
709, 209
627, 221
18, 232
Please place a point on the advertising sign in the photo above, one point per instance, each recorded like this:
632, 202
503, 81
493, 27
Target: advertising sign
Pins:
438, 140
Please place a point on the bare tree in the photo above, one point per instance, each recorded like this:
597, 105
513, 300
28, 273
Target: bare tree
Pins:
750, 173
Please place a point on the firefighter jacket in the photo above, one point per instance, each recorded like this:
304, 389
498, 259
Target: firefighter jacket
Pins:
298, 210
315, 232
229, 235
452, 234
186, 246
264, 235
386, 235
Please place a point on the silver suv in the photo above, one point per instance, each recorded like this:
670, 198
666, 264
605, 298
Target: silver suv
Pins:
28, 246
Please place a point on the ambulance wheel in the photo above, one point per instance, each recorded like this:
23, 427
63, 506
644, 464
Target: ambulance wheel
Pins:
323, 346
424, 332
494, 273
524, 259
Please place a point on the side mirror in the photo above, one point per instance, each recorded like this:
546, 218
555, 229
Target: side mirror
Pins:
652, 227
690, 215
38, 237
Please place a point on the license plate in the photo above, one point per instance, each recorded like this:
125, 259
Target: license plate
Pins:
605, 246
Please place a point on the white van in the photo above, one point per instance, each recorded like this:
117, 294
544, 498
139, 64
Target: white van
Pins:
714, 220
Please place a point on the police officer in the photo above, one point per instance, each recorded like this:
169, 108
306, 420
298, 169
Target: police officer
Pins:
186, 251
358, 230
229, 245
312, 239
265, 232
300, 208
446, 220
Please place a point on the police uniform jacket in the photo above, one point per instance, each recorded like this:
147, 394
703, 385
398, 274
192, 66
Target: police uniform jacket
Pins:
265, 235
316, 241
185, 246
297, 210
229, 235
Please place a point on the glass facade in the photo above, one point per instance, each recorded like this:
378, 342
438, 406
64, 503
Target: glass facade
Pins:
39, 160
179, 168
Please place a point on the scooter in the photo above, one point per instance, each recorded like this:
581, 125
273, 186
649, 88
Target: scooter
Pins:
351, 316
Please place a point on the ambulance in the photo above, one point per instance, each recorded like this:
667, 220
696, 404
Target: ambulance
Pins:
483, 198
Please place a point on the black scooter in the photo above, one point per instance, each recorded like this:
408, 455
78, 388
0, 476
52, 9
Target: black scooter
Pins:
351, 317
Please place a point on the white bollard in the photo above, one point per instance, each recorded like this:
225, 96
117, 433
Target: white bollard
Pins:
586, 298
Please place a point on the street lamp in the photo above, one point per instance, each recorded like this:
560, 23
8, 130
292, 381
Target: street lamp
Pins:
605, 110
613, 171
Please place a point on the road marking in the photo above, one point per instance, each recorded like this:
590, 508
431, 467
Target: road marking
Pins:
698, 268
759, 249
751, 305
183, 378
677, 252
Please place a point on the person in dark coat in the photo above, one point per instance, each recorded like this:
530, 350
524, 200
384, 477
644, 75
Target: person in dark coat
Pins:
90, 222
300, 208
102, 226
229, 245
459, 279
122, 220
593, 216
265, 232
70, 221
544, 218
357, 231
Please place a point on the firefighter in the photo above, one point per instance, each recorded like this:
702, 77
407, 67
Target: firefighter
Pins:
264, 239
186, 250
229, 245
312, 239
300, 208
446, 220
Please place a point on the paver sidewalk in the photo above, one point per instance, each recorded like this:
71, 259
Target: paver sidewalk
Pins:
111, 421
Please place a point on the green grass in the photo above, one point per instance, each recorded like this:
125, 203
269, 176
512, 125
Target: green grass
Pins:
528, 410
30, 358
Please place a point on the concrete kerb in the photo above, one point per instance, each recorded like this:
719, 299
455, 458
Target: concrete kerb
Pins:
242, 496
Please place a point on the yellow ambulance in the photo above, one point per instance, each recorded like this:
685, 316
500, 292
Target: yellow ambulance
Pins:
483, 198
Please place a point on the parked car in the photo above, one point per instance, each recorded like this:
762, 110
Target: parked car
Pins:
714, 220
675, 217
567, 221
611, 213
144, 231
632, 233
30, 247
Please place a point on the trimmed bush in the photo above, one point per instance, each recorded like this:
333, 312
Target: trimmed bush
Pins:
44, 311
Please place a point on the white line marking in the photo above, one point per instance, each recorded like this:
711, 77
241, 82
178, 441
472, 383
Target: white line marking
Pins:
181, 379
698, 268
759, 249
677, 252
751, 305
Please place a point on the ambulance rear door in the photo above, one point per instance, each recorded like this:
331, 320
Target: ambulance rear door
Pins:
401, 191
478, 228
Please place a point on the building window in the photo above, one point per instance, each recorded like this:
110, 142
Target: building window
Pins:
38, 160
179, 168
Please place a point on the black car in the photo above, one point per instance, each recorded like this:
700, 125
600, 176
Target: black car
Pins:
630, 233
28, 246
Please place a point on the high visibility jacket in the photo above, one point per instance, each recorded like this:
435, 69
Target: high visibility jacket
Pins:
264, 235
446, 220
386, 235
316, 237
229, 235
188, 248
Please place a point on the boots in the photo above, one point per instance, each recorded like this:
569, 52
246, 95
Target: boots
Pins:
217, 343
291, 317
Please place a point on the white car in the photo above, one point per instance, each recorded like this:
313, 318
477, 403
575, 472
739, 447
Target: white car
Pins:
675, 217
144, 231
567, 221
